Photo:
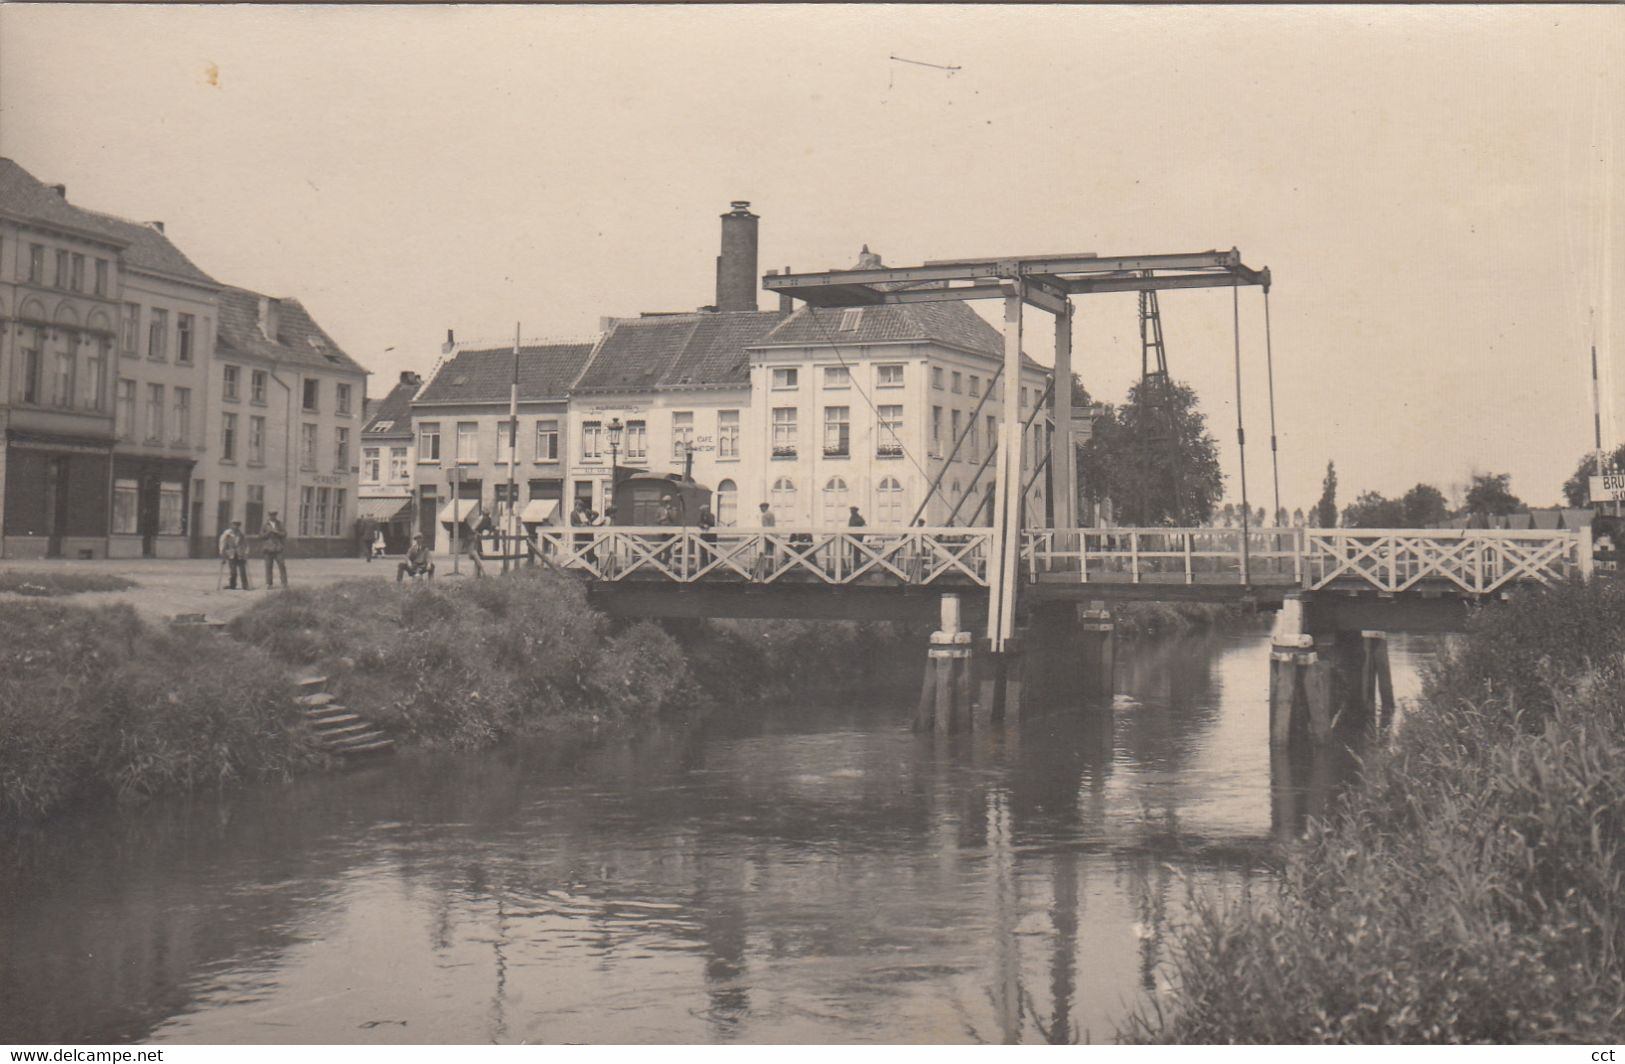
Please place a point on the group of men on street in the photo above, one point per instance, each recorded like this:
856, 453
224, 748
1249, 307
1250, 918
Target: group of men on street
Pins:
273, 547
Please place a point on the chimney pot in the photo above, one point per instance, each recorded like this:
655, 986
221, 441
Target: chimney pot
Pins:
60, 190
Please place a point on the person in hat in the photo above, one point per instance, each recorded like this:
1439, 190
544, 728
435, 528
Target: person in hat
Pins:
274, 545
855, 520
419, 561
234, 552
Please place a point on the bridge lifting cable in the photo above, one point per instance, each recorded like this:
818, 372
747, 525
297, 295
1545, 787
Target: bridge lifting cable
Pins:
987, 459
1269, 365
1241, 443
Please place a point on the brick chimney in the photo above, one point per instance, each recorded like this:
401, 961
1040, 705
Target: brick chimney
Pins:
408, 377
736, 266
451, 342
60, 190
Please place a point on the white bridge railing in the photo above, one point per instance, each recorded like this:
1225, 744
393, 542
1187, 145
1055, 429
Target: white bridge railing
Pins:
1475, 561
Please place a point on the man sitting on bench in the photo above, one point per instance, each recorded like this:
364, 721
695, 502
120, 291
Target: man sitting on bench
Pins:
418, 561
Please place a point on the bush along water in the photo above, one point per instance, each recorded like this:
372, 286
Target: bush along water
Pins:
1471, 888
95, 703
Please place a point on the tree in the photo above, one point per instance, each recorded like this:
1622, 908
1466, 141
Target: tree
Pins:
1372, 510
1297, 518
1228, 514
1424, 507
1326, 508
1491, 494
1154, 458
1577, 489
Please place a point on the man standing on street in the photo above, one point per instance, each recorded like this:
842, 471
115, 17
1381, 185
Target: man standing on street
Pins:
275, 538
234, 552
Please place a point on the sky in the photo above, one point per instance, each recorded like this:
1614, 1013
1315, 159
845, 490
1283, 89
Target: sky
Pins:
1435, 190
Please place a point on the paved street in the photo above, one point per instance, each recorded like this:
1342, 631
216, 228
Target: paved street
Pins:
168, 587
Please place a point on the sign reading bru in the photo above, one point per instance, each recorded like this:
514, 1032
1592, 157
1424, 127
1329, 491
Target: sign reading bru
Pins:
1609, 488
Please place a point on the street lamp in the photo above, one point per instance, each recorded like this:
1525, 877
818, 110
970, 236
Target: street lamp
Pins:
615, 429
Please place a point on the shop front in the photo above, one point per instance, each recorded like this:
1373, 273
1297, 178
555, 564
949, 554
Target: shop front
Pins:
56, 502
150, 507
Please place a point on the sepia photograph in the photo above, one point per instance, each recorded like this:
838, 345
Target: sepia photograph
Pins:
801, 524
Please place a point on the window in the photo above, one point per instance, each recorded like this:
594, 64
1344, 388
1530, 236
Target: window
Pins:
889, 502
547, 440
592, 440
992, 435
957, 383
371, 465
228, 382
124, 410
975, 386
506, 441
727, 434
341, 450
31, 387
971, 446
158, 334
783, 500
336, 526
889, 376
77, 277
171, 508
132, 328
837, 377
637, 440
468, 442
256, 441
682, 433
936, 432
155, 413
784, 432
429, 441
957, 422
62, 378
61, 268
183, 416
397, 465
851, 319
254, 509
784, 378
936, 378
256, 386
307, 508
835, 502
36, 264
313, 395
226, 504
324, 499
101, 277
307, 446
228, 437
126, 506
889, 443
183, 338
96, 379
341, 398
837, 431
727, 503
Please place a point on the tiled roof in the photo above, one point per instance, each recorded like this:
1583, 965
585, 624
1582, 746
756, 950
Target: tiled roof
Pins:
395, 408
951, 322
484, 375
676, 351
298, 338
21, 193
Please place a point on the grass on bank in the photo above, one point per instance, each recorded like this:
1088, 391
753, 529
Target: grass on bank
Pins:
96, 703
50, 584
1472, 887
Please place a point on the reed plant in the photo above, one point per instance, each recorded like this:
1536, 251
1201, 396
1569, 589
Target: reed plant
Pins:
1470, 888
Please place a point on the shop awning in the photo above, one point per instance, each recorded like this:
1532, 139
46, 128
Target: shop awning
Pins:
384, 511
466, 511
539, 511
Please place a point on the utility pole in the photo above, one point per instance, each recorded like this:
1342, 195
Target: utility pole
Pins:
513, 456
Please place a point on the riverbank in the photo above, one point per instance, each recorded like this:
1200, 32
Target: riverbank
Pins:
97, 704
1135, 620
1471, 887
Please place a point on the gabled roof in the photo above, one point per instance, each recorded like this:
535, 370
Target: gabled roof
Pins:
393, 410
21, 193
485, 374
951, 323
298, 339
676, 351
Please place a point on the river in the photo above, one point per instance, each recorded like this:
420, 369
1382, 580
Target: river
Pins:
781, 873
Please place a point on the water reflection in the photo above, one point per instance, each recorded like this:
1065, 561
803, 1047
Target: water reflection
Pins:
790, 873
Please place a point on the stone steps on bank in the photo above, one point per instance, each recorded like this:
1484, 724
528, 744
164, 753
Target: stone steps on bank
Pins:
338, 729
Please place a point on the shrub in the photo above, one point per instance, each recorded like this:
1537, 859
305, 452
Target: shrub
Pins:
96, 702
48, 584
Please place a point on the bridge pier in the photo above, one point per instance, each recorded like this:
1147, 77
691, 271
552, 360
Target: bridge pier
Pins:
1067, 655
1318, 683
945, 692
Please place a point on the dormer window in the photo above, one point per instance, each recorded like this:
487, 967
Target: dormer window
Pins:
851, 319
382, 426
